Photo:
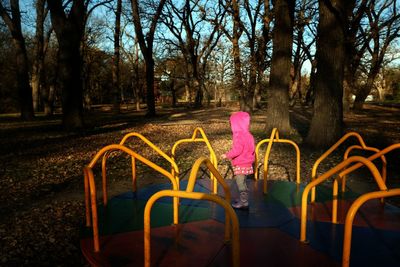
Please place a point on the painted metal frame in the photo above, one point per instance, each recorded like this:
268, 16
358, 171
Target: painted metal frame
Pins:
274, 138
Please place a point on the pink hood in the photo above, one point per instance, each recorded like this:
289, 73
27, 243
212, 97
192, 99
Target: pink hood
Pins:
242, 152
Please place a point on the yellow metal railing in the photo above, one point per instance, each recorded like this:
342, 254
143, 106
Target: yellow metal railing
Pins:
371, 158
274, 138
342, 171
204, 139
359, 160
90, 187
348, 226
231, 221
328, 152
373, 149
174, 167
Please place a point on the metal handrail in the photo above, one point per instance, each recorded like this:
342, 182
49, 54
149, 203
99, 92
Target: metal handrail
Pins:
204, 139
328, 152
274, 137
348, 226
346, 155
90, 187
174, 171
230, 215
360, 160
231, 218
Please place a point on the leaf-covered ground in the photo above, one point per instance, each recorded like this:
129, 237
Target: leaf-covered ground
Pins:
41, 181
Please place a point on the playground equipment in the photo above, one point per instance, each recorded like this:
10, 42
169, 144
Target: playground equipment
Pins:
275, 215
342, 170
274, 138
230, 216
90, 187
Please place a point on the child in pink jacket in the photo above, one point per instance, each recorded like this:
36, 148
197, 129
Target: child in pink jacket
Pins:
241, 155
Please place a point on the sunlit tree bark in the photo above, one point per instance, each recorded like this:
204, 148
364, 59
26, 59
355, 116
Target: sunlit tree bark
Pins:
278, 91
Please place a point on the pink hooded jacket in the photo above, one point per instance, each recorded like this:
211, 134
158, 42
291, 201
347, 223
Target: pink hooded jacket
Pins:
242, 151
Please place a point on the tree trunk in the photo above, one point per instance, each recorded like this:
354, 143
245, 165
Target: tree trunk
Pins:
38, 65
327, 122
24, 89
136, 90
115, 70
146, 46
69, 31
22, 68
150, 98
278, 93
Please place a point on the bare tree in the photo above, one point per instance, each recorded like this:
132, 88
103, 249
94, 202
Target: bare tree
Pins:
116, 60
42, 97
355, 49
258, 37
278, 93
384, 26
327, 122
69, 26
187, 24
302, 52
12, 18
234, 34
146, 45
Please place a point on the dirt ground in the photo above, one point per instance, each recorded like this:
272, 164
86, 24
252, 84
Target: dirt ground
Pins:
41, 182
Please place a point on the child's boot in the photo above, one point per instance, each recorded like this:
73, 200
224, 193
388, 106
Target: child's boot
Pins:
243, 202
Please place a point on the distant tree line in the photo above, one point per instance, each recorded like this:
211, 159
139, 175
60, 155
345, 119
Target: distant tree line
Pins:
78, 53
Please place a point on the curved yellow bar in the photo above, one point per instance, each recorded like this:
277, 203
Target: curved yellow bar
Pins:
361, 160
271, 137
90, 187
328, 152
274, 138
373, 149
230, 218
213, 170
154, 147
193, 177
93, 205
371, 158
175, 169
204, 139
352, 213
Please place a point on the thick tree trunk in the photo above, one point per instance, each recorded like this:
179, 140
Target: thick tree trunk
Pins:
327, 122
13, 23
278, 93
237, 70
69, 31
24, 88
363, 93
150, 98
71, 84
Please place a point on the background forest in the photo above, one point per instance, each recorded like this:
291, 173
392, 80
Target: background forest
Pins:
70, 56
